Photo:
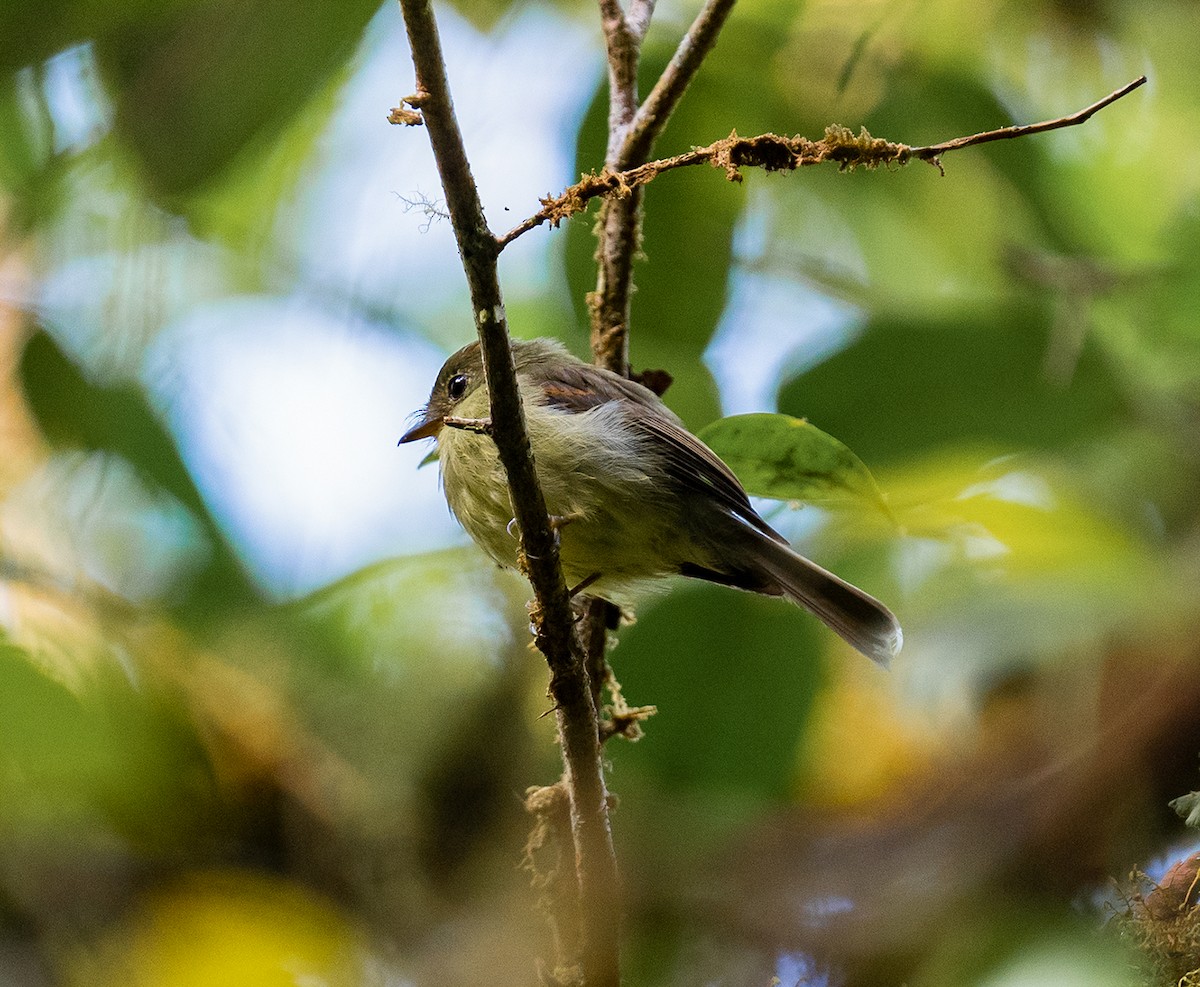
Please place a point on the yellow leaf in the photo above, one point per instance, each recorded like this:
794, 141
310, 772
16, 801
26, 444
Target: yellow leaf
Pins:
227, 929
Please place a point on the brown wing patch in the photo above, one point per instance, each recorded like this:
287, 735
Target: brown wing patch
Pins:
578, 387
568, 397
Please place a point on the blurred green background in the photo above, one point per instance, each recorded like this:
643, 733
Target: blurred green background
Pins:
266, 717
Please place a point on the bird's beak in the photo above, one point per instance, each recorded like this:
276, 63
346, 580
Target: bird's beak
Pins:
426, 428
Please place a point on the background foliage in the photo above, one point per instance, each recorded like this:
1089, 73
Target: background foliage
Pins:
265, 717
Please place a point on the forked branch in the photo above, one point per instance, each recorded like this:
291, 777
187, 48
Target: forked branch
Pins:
595, 863
772, 152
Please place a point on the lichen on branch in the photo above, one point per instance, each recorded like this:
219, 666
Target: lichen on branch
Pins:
772, 152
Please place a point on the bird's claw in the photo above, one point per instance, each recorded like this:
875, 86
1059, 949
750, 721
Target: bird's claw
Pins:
557, 523
581, 586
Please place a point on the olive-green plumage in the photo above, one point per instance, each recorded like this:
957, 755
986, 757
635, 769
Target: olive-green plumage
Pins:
635, 495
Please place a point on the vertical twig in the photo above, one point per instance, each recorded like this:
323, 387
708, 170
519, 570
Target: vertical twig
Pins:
554, 625
619, 218
652, 116
632, 131
640, 12
623, 44
631, 137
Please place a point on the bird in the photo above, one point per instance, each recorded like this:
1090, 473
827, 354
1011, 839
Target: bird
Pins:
633, 495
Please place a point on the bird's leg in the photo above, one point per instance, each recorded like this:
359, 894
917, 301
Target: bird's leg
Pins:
580, 587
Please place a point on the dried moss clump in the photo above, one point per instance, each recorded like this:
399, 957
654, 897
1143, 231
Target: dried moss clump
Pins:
1164, 924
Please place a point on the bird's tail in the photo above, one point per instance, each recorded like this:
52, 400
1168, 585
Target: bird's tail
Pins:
857, 617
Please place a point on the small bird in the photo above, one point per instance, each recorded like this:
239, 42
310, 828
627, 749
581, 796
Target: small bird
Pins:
634, 496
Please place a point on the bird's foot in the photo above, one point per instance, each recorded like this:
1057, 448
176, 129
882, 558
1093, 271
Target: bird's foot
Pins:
578, 588
557, 523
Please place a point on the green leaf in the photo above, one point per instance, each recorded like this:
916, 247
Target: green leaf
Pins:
431, 457
76, 413
733, 701
978, 378
1188, 807
188, 110
99, 752
790, 459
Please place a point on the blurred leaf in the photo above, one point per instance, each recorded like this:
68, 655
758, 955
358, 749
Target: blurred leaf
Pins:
380, 642
893, 745
734, 700
1040, 526
483, 15
1188, 807
930, 102
1011, 561
1150, 324
25, 149
73, 412
195, 87
34, 31
1059, 537
105, 754
230, 928
896, 242
788, 458
907, 386
383, 671
358, 616
243, 209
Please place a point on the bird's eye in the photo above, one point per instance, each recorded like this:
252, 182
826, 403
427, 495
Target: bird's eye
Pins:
456, 387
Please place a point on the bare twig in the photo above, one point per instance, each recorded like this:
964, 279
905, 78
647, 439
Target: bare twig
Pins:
638, 18
631, 135
654, 113
619, 228
480, 426
623, 45
772, 152
933, 151
551, 612
618, 224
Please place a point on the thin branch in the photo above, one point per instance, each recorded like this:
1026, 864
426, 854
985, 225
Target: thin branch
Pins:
619, 222
620, 233
638, 18
772, 152
654, 113
623, 44
931, 152
632, 132
552, 618
480, 426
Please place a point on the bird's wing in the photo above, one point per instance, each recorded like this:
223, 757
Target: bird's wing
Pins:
577, 387
693, 466
697, 469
